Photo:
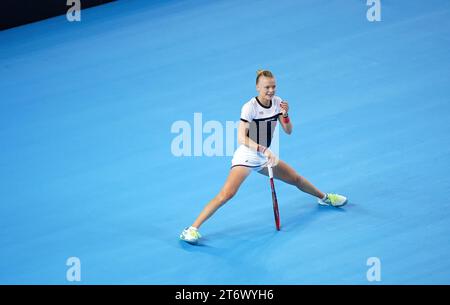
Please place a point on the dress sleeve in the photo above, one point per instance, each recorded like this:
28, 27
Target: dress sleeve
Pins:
247, 113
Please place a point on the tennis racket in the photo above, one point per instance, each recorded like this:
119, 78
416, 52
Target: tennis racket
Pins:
274, 199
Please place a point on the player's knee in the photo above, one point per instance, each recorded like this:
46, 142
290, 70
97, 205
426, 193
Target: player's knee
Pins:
226, 195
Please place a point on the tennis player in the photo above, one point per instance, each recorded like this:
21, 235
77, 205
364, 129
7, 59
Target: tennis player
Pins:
259, 117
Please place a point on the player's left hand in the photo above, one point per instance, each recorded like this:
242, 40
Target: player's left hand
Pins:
284, 108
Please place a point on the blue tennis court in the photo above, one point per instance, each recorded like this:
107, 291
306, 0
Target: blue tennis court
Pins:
87, 166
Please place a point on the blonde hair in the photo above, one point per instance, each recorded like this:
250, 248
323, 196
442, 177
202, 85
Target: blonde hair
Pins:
265, 73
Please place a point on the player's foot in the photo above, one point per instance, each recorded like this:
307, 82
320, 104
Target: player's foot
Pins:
190, 235
335, 200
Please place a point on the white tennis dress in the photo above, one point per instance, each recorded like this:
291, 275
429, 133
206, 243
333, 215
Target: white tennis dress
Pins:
263, 121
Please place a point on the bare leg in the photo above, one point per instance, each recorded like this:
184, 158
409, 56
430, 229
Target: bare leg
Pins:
287, 174
235, 178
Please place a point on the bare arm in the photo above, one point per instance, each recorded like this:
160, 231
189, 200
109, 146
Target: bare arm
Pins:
245, 140
287, 127
283, 118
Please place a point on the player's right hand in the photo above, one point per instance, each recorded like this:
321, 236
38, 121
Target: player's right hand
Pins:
271, 158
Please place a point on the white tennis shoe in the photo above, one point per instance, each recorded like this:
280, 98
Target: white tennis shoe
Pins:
334, 200
190, 235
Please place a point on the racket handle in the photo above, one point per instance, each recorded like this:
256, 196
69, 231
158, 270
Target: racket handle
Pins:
269, 168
